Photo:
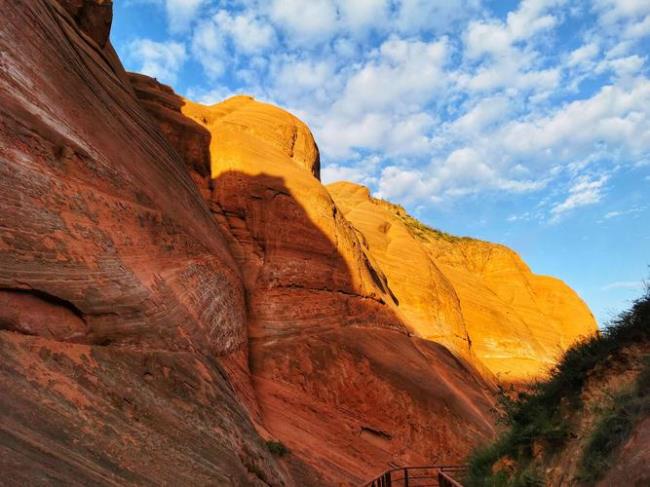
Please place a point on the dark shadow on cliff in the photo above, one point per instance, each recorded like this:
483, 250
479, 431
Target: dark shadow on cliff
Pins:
336, 375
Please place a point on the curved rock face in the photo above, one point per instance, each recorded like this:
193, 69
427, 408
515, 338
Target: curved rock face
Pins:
336, 375
292, 244
425, 297
518, 323
117, 291
331, 305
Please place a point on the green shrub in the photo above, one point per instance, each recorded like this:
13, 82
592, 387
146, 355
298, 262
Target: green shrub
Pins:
277, 448
539, 420
614, 427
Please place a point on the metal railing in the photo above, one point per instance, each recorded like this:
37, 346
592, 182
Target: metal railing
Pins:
426, 476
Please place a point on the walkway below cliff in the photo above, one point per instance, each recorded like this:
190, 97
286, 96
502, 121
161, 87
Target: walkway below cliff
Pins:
424, 476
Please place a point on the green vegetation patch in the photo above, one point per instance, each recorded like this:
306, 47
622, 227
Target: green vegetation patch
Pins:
539, 421
415, 226
614, 427
423, 232
277, 448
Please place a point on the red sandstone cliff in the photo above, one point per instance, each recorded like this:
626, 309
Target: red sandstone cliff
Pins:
119, 296
176, 285
336, 374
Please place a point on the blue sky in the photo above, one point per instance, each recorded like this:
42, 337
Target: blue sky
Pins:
526, 123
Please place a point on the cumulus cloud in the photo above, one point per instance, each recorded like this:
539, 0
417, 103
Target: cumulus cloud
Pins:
220, 39
181, 13
448, 99
359, 171
161, 60
305, 22
414, 16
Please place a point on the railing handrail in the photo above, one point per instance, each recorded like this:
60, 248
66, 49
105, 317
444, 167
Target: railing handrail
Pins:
438, 468
445, 480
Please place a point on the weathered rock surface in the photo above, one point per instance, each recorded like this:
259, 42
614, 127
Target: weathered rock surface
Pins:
336, 375
112, 262
425, 297
518, 323
331, 305
630, 464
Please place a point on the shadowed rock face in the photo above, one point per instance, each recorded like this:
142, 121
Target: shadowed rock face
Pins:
112, 262
335, 374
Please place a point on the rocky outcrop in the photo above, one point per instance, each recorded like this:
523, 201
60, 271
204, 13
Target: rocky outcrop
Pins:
328, 342
189, 139
518, 323
369, 280
424, 296
94, 17
586, 424
119, 295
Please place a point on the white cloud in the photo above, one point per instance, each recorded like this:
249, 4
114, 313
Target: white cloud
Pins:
403, 185
637, 30
181, 13
208, 49
615, 10
220, 39
436, 16
305, 22
583, 55
632, 285
506, 54
161, 60
249, 33
619, 213
497, 38
583, 192
612, 214
401, 74
210, 97
361, 16
628, 66
360, 171
614, 116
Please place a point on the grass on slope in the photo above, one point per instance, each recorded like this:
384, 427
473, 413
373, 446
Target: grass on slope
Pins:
540, 421
415, 226
422, 231
614, 427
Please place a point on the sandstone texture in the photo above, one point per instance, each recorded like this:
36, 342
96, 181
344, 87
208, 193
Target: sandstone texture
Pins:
337, 377
517, 323
177, 287
119, 296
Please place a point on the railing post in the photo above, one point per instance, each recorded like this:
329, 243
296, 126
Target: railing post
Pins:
406, 477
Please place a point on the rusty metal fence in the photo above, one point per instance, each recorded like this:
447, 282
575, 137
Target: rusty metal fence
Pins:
426, 476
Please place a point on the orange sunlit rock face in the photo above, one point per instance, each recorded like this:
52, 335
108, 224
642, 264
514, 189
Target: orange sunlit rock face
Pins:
518, 323
337, 375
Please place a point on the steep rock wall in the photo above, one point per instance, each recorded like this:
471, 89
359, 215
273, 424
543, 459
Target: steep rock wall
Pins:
118, 292
336, 374
518, 323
